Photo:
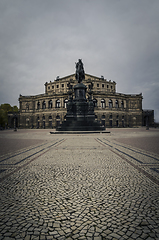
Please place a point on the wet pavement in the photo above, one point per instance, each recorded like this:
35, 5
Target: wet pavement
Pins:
79, 186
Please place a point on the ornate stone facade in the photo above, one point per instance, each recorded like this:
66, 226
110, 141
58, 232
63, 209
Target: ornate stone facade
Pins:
112, 109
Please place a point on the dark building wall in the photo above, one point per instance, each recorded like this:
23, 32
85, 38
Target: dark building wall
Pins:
13, 119
111, 108
148, 118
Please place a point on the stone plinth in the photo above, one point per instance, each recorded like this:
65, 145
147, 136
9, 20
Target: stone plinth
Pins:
80, 112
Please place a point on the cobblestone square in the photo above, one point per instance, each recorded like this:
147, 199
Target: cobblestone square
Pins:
79, 186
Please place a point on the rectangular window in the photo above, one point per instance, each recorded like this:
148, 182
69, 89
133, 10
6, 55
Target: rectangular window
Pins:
62, 85
107, 86
48, 87
97, 84
102, 85
52, 87
57, 86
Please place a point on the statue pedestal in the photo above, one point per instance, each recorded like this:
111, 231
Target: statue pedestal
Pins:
80, 113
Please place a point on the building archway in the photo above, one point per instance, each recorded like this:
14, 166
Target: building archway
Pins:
57, 121
27, 122
50, 121
38, 122
103, 120
43, 121
123, 121
14, 122
110, 120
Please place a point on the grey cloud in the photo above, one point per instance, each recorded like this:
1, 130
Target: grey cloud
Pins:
42, 39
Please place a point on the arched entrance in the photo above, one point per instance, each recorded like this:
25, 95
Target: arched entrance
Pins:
103, 120
57, 121
110, 121
50, 121
44, 122
14, 122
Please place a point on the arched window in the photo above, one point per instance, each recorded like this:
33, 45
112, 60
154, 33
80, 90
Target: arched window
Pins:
50, 104
110, 103
44, 105
102, 103
122, 104
58, 103
65, 103
95, 102
116, 104
38, 105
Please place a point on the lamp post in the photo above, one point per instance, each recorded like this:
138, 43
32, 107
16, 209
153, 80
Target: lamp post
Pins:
15, 122
147, 120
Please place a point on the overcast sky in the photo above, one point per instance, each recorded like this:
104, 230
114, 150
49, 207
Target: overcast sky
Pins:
42, 39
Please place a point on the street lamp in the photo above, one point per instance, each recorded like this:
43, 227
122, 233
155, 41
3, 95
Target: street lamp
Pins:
15, 122
147, 120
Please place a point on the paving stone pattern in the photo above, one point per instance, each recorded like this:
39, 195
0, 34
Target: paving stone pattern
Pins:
79, 187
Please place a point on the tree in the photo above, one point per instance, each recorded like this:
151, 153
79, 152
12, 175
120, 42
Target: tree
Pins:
4, 109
